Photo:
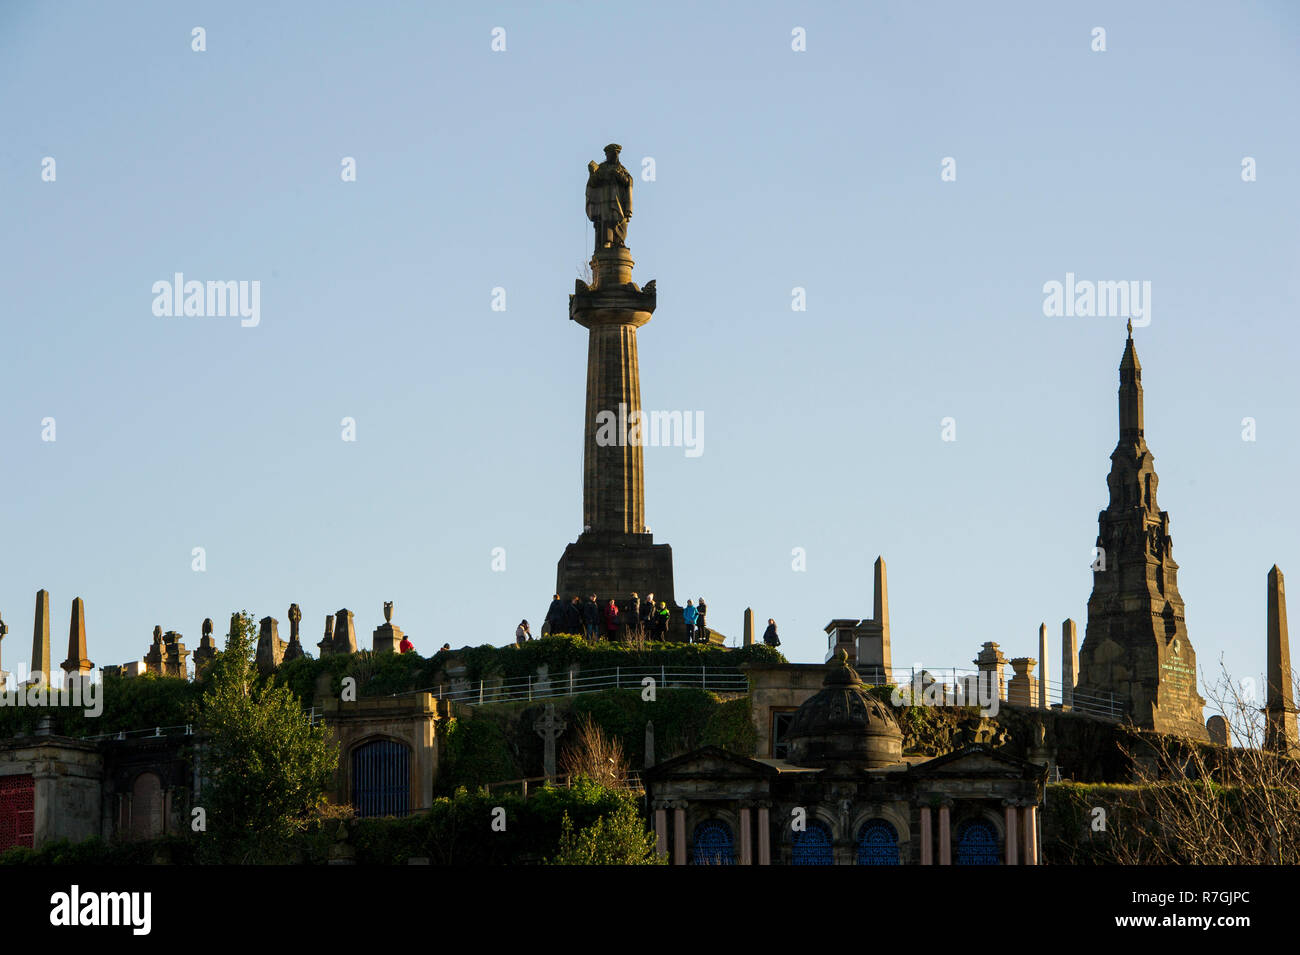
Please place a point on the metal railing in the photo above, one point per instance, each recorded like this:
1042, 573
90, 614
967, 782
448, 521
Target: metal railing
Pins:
574, 682
185, 729
956, 686
631, 783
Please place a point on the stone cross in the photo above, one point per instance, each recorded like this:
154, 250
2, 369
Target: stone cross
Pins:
295, 617
549, 726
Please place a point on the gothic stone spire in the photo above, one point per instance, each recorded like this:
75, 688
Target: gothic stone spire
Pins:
1136, 643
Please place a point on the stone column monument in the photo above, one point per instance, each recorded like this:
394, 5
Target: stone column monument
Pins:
615, 554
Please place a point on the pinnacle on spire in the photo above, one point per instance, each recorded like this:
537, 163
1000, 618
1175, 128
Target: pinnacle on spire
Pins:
1130, 329
1130, 392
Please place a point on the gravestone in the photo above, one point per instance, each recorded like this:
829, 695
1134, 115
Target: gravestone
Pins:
549, 726
294, 650
387, 637
77, 661
1217, 727
41, 639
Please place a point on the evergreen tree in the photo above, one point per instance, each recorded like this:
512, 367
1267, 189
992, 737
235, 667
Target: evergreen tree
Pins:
267, 767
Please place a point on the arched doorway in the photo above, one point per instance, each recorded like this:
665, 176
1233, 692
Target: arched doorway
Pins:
381, 778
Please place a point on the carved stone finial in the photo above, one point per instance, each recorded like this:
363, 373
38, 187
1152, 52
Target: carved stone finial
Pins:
388, 611
207, 627
157, 634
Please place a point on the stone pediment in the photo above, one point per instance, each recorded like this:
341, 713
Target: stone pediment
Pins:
708, 763
978, 760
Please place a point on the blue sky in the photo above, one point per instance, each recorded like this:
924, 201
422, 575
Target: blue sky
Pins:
775, 169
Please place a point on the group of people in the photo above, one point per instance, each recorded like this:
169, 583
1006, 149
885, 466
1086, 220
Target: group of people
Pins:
592, 619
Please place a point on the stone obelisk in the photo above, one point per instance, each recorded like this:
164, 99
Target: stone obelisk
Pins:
615, 554
77, 661
1279, 710
40, 664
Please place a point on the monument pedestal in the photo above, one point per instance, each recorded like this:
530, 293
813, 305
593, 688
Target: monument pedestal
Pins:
611, 564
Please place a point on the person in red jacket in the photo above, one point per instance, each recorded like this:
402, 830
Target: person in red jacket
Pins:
611, 621
406, 645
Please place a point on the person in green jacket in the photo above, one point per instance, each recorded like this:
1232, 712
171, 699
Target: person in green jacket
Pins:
661, 621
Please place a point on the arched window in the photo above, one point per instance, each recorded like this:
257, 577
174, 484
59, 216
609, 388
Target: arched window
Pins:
146, 807
713, 844
977, 844
812, 846
381, 778
878, 844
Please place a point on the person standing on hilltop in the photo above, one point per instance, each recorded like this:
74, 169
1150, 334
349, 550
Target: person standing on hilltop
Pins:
769, 635
611, 621
689, 616
701, 629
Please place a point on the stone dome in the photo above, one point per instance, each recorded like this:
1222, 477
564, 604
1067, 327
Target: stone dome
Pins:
843, 723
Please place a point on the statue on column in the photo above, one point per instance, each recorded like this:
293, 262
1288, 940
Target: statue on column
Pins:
609, 199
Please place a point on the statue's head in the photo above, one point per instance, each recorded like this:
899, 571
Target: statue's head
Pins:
612, 151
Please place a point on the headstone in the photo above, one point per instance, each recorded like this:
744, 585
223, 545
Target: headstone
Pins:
649, 744
326, 646
270, 648
549, 726
1217, 727
1069, 662
294, 650
1280, 710
77, 661
387, 638
1044, 674
542, 684
345, 632
174, 655
749, 627
153, 660
41, 639
206, 652
990, 661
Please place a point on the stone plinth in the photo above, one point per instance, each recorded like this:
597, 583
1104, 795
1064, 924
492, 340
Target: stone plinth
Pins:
615, 564
1022, 690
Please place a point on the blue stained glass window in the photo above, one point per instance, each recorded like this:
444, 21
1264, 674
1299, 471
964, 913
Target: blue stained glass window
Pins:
878, 844
812, 846
977, 844
713, 844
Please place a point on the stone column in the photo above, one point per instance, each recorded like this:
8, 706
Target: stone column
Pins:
749, 627
1045, 673
945, 832
41, 639
927, 838
1030, 817
746, 839
661, 828
1069, 662
1011, 822
764, 835
679, 833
